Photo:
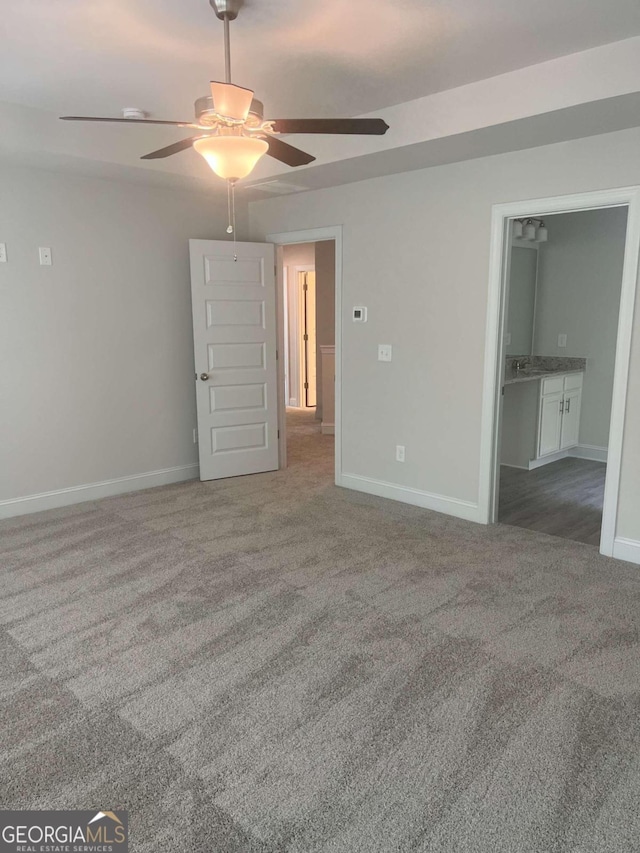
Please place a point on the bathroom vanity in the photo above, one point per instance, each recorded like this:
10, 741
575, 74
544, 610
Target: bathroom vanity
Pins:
541, 410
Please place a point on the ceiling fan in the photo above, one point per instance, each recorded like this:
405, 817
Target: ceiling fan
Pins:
233, 132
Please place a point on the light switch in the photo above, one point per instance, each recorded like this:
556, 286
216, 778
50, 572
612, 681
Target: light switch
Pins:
45, 256
562, 340
507, 338
3, 253
384, 352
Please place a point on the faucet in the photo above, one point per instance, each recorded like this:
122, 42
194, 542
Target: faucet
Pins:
518, 364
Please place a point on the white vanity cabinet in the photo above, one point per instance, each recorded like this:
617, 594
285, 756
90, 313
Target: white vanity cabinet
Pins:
559, 413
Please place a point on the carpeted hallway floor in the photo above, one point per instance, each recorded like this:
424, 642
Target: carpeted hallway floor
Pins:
272, 664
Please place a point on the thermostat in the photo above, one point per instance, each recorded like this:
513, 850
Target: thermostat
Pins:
359, 314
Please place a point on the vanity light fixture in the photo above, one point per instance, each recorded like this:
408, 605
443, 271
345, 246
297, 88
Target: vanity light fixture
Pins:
532, 229
542, 235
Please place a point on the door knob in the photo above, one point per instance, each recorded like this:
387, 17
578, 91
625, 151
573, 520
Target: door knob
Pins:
204, 376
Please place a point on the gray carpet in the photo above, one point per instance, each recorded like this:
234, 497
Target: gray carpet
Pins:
273, 664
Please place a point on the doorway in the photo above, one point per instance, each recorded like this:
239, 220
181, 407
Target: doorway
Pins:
298, 278
555, 410
309, 337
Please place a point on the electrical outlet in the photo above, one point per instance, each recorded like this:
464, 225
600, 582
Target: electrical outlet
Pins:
45, 256
384, 352
562, 340
3, 253
399, 452
195, 436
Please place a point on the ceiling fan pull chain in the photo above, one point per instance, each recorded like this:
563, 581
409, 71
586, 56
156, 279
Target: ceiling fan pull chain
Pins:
230, 225
233, 215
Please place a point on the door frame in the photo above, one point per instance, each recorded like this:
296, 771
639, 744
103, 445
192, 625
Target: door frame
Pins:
501, 218
286, 238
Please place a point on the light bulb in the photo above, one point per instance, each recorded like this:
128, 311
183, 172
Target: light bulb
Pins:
231, 157
543, 233
529, 232
517, 228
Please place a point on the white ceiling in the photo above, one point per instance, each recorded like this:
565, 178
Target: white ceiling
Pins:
303, 58
455, 79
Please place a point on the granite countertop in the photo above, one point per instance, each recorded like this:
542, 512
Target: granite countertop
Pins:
540, 367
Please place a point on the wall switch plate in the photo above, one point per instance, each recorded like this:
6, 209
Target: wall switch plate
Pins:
195, 436
562, 340
384, 352
45, 256
399, 452
507, 338
3, 253
359, 314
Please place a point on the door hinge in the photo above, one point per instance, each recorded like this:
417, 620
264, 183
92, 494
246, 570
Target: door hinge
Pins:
277, 355
305, 337
306, 386
305, 286
278, 433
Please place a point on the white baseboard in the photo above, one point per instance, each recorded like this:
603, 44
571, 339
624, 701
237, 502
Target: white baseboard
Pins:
626, 549
95, 491
589, 451
328, 429
426, 500
547, 460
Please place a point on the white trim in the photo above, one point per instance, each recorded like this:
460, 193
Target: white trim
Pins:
589, 451
427, 500
95, 491
626, 549
548, 459
494, 351
316, 235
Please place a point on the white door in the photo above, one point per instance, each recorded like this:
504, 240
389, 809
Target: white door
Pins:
571, 418
234, 334
550, 420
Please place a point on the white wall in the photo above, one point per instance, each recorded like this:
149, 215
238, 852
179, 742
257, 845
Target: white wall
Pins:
427, 296
96, 351
579, 283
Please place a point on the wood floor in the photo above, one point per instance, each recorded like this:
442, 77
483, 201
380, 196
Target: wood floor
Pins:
563, 499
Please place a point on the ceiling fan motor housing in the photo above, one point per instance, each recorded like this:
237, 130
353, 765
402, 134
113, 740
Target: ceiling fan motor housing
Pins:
226, 8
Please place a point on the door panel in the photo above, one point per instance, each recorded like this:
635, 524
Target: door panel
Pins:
550, 421
571, 419
234, 332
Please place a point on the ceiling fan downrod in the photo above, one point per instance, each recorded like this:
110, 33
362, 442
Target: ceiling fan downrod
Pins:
226, 11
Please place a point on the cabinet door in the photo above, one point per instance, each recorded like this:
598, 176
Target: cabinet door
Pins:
571, 419
550, 423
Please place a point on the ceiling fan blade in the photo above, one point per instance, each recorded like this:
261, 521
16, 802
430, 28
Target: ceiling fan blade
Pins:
286, 153
230, 100
368, 126
129, 120
171, 149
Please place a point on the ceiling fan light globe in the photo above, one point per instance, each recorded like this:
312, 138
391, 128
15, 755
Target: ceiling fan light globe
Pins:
231, 157
230, 101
